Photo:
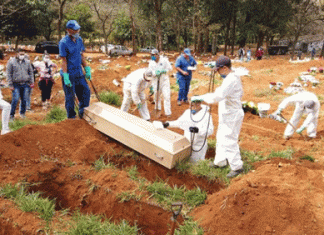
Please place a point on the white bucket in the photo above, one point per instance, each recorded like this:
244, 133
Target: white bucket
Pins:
263, 109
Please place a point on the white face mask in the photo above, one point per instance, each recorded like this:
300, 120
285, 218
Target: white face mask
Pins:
46, 60
21, 57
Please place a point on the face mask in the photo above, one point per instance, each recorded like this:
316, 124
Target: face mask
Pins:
193, 111
46, 60
21, 57
153, 57
76, 36
223, 76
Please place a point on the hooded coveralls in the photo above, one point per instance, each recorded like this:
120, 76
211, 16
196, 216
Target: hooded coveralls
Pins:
163, 64
231, 115
72, 51
312, 114
134, 87
200, 120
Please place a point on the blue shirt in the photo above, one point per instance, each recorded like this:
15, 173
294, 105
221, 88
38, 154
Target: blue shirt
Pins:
72, 51
183, 64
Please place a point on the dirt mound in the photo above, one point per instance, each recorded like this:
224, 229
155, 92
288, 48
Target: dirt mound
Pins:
279, 197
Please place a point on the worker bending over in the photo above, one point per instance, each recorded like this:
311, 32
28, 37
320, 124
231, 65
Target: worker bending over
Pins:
231, 114
134, 86
305, 102
160, 65
197, 124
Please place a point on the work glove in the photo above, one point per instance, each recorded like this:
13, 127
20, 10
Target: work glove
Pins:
165, 124
139, 106
151, 91
158, 72
196, 98
194, 129
67, 80
87, 69
300, 130
163, 71
278, 112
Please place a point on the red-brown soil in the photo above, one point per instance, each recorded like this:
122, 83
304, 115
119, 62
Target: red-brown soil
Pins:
278, 197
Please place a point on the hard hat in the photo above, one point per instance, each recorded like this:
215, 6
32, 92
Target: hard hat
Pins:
154, 52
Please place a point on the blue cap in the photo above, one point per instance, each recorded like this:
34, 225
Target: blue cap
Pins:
187, 51
72, 24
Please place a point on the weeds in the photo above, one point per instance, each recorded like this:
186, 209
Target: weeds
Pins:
127, 196
211, 143
100, 164
77, 175
287, 154
18, 124
111, 98
189, 227
174, 88
93, 225
55, 115
133, 173
308, 158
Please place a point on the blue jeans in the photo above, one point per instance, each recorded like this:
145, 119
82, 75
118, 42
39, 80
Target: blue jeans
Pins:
184, 85
20, 92
29, 92
81, 90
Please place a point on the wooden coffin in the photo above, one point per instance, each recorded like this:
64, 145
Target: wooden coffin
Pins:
163, 146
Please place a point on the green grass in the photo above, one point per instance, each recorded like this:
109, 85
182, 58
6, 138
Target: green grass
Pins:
127, 196
175, 87
211, 143
308, 158
110, 97
18, 124
194, 81
166, 195
100, 164
97, 225
29, 202
56, 114
189, 227
133, 173
286, 154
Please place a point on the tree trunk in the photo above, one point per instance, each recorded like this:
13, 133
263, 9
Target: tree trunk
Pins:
178, 35
158, 10
133, 26
59, 23
227, 30
206, 37
17, 43
214, 44
233, 29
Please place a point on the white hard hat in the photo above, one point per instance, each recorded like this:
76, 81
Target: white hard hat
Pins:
154, 52
148, 74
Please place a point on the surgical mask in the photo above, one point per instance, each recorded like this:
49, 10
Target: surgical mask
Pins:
76, 36
153, 57
223, 76
193, 111
46, 60
21, 57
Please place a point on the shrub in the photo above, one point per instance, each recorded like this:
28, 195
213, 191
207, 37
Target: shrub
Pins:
110, 98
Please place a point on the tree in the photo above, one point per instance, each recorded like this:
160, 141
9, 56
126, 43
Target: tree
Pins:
106, 13
122, 28
60, 18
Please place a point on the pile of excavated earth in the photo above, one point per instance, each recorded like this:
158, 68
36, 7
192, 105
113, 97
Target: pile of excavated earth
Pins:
279, 196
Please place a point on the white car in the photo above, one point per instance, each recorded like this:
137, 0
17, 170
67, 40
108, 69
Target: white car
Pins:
120, 50
109, 47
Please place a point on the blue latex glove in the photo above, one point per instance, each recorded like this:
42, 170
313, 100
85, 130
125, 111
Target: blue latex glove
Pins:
164, 71
158, 72
300, 130
66, 79
139, 106
151, 90
87, 69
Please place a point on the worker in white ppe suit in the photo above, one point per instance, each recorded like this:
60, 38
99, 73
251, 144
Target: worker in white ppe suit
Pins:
231, 114
134, 86
197, 124
305, 102
160, 65
5, 107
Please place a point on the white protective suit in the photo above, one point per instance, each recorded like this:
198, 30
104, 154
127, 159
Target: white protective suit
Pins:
5, 106
134, 87
231, 115
164, 90
187, 120
312, 114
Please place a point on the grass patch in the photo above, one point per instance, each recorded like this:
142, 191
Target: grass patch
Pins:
127, 196
204, 170
174, 87
263, 92
29, 202
56, 114
18, 124
211, 143
165, 195
189, 227
287, 154
94, 225
100, 164
194, 81
110, 97
308, 158
133, 173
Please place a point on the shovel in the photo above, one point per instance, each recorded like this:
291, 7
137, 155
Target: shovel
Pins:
176, 209
295, 129
155, 112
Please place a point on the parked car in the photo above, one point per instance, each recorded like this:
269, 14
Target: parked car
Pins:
49, 46
147, 49
109, 47
120, 50
277, 50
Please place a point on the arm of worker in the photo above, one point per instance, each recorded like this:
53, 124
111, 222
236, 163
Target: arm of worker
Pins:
288, 101
10, 74
30, 74
136, 89
182, 71
178, 67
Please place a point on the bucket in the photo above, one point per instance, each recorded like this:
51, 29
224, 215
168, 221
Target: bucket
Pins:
263, 109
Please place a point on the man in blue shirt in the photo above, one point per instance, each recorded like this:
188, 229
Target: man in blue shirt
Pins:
71, 51
185, 63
